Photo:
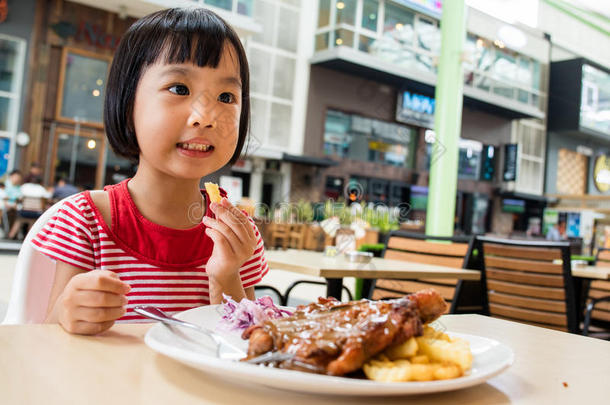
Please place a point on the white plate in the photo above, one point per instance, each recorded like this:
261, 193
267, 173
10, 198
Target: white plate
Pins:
490, 358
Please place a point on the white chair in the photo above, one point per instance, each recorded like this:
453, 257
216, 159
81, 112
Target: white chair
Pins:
33, 278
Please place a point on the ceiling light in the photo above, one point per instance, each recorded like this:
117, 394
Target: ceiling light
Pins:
339, 41
340, 5
91, 144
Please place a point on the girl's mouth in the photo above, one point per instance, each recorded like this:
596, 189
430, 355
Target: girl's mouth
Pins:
194, 149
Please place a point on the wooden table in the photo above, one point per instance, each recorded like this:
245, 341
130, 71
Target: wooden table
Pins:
335, 268
592, 272
42, 364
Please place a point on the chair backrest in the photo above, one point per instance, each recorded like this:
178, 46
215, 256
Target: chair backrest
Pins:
601, 288
33, 204
419, 248
33, 278
530, 282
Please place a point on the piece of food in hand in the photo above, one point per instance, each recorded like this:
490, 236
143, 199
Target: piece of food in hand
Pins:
213, 192
335, 338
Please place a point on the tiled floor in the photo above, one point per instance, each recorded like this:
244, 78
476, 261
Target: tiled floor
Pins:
277, 278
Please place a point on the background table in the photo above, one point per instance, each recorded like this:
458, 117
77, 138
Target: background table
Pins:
335, 268
42, 364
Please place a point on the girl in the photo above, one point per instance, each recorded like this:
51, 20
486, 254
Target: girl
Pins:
177, 102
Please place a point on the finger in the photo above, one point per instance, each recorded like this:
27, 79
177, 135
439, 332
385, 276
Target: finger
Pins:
236, 219
87, 328
220, 241
226, 231
101, 280
103, 299
98, 314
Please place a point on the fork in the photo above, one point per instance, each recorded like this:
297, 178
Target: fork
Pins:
224, 349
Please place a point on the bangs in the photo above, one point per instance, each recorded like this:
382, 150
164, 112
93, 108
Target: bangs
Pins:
196, 37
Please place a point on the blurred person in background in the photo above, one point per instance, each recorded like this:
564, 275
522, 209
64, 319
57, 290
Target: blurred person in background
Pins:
34, 173
63, 189
557, 232
33, 204
12, 187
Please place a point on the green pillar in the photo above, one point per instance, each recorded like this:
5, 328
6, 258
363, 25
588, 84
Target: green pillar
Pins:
447, 121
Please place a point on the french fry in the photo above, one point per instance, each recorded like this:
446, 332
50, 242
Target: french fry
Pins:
455, 351
213, 192
432, 356
403, 350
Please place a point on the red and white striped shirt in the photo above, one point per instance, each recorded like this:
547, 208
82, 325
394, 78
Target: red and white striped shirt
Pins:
165, 267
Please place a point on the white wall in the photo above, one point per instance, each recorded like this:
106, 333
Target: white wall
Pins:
575, 37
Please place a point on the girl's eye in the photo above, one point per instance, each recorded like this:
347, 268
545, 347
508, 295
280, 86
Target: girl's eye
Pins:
227, 98
179, 89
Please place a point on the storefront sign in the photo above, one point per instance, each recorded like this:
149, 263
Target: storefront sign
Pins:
417, 109
86, 31
3, 10
601, 173
510, 162
432, 8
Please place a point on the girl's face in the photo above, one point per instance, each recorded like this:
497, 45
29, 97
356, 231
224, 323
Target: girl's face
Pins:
186, 117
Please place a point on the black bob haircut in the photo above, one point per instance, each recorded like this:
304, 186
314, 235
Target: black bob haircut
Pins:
195, 35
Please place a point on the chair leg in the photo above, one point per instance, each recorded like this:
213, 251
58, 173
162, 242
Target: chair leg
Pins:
590, 306
296, 283
15, 228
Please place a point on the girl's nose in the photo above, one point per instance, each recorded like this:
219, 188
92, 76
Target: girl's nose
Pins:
197, 120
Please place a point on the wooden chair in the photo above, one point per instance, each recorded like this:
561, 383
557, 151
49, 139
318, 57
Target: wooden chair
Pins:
529, 282
414, 247
296, 236
279, 233
598, 307
31, 209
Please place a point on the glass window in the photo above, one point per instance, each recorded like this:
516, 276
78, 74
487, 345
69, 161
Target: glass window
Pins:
365, 44
9, 56
322, 41
224, 4
117, 168
324, 13
283, 77
344, 38
83, 88
5, 104
264, 14
258, 118
260, 62
77, 159
244, 7
370, 10
369, 140
346, 12
334, 187
595, 99
279, 131
398, 23
288, 30
428, 35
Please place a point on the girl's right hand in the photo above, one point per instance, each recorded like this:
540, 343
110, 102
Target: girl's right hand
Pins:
92, 301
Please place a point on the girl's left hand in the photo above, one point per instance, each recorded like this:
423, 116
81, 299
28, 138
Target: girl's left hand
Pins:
234, 240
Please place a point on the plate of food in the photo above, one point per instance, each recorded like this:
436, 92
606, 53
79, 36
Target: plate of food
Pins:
392, 347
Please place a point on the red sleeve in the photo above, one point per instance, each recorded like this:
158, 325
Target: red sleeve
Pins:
255, 268
67, 236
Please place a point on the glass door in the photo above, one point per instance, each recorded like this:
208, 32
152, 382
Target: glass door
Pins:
77, 156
